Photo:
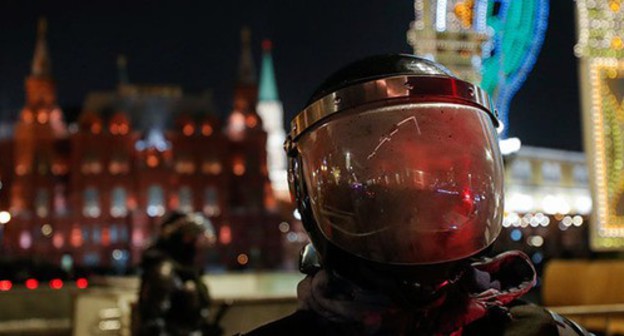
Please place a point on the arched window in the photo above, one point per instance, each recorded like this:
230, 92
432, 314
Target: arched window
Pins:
91, 203
119, 207
42, 201
186, 199
211, 202
155, 201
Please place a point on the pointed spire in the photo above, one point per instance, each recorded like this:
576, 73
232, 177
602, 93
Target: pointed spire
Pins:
268, 86
41, 61
122, 69
246, 68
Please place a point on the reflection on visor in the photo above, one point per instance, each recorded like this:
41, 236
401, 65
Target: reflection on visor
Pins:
410, 184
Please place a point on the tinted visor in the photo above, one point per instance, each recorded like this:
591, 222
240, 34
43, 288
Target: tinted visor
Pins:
406, 184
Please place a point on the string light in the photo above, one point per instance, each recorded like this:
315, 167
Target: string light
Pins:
519, 29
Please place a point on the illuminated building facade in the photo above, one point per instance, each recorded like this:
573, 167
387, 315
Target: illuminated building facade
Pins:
91, 194
547, 204
601, 51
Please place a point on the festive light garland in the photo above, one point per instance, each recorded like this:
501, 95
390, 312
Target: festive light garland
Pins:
519, 28
601, 49
607, 141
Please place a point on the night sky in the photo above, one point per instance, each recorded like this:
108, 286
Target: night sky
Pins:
196, 45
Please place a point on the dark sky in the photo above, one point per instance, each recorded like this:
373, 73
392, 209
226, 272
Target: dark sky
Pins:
196, 45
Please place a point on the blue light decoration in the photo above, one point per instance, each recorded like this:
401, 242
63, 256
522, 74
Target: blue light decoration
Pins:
518, 34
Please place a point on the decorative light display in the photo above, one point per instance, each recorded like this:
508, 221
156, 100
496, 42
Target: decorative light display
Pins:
518, 29
494, 42
605, 136
600, 29
601, 51
451, 32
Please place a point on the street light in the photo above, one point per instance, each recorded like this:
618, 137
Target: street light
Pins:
5, 217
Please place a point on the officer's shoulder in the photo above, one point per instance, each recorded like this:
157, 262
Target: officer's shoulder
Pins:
531, 319
568, 327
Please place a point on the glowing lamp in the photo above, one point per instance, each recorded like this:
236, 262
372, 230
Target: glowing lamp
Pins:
56, 283
5, 217
242, 259
82, 283
5, 285
31, 283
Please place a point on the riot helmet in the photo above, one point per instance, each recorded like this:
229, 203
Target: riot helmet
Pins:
182, 233
394, 164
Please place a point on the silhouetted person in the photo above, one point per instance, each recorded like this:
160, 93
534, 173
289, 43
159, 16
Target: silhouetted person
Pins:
173, 300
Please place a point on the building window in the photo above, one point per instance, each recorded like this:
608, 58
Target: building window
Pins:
119, 203
114, 234
60, 201
521, 170
91, 259
42, 201
67, 262
186, 199
238, 166
58, 240
42, 164
123, 233
551, 171
225, 235
91, 164
85, 234
185, 165
155, 201
76, 238
211, 202
118, 165
188, 129
206, 129
96, 234
211, 167
91, 203
25, 240
580, 174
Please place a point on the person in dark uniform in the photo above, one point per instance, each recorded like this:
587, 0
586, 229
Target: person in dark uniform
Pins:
173, 300
396, 170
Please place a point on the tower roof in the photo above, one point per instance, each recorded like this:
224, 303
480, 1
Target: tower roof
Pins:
41, 66
268, 85
246, 68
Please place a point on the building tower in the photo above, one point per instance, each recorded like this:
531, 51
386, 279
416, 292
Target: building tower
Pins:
451, 32
272, 114
38, 190
251, 189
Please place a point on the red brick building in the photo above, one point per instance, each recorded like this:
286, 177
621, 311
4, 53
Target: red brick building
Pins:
91, 194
